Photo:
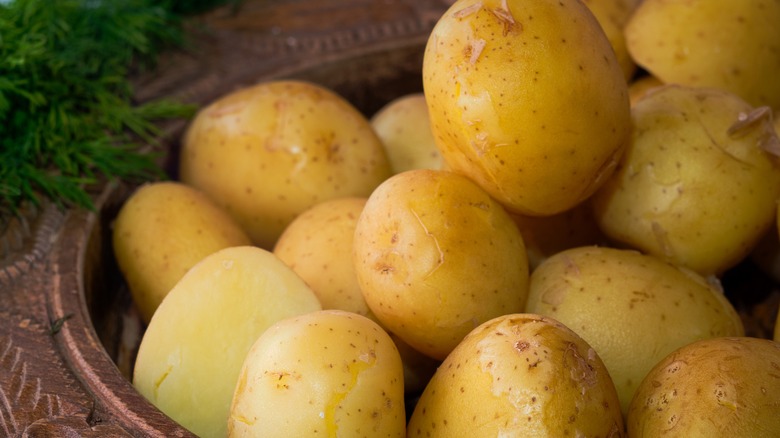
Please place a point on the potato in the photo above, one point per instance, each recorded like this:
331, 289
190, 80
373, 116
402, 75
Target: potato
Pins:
634, 309
328, 373
435, 256
268, 152
725, 44
526, 98
162, 230
317, 245
641, 86
699, 182
404, 127
613, 15
191, 353
519, 375
722, 387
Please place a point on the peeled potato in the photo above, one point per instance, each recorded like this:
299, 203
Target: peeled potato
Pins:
268, 152
519, 375
725, 44
527, 99
699, 182
435, 256
404, 127
163, 230
726, 387
329, 373
632, 308
191, 353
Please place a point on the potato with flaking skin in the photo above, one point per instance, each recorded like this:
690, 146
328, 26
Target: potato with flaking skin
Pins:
699, 182
317, 245
404, 127
329, 373
632, 308
191, 353
722, 387
435, 256
527, 99
161, 231
519, 375
724, 44
268, 152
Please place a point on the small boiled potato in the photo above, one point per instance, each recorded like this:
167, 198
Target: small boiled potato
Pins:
722, 387
725, 44
435, 256
268, 152
634, 309
191, 353
317, 245
699, 182
547, 235
162, 230
613, 16
404, 127
329, 373
527, 98
519, 375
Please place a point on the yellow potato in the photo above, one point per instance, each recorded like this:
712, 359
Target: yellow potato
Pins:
519, 375
527, 98
435, 256
633, 309
162, 230
191, 353
641, 86
329, 373
268, 152
317, 245
404, 127
723, 387
613, 16
699, 182
726, 44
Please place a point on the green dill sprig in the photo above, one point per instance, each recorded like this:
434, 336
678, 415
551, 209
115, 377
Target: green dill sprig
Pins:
66, 113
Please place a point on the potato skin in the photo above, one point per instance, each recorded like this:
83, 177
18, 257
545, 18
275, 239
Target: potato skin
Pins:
689, 188
435, 256
327, 373
519, 375
632, 308
493, 75
268, 152
161, 231
725, 386
192, 351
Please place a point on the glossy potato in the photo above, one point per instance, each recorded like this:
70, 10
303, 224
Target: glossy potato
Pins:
725, 386
519, 375
329, 373
435, 256
632, 308
493, 76
163, 230
192, 351
268, 152
699, 182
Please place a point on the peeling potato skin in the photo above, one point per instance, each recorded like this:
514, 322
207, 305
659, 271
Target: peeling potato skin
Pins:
527, 99
435, 256
726, 386
519, 375
698, 184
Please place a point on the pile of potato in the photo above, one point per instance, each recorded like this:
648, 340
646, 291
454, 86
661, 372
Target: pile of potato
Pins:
532, 247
